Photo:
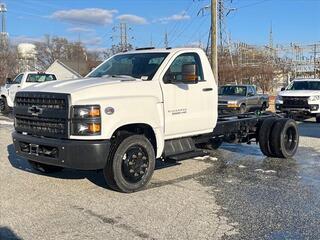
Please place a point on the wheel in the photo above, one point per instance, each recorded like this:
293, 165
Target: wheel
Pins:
284, 138
44, 168
318, 118
242, 109
4, 108
264, 136
213, 144
130, 164
264, 107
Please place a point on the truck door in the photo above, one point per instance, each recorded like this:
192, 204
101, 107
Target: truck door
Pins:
188, 108
14, 88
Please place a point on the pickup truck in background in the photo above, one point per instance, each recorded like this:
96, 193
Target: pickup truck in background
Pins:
301, 99
23, 80
241, 99
132, 109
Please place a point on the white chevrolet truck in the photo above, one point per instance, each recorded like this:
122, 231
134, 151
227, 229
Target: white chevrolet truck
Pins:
23, 80
134, 108
300, 99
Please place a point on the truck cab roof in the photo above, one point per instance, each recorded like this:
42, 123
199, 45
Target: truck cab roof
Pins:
162, 50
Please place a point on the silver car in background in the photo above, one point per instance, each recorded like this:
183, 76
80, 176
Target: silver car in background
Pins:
241, 99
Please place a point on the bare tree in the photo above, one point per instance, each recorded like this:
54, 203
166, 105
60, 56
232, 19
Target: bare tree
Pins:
54, 48
248, 65
8, 63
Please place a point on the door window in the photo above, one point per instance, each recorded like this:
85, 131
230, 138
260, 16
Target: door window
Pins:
174, 73
18, 79
250, 91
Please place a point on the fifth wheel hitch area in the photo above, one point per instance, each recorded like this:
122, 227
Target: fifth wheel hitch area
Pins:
278, 137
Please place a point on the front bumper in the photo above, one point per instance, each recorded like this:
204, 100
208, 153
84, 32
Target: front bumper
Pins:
228, 109
307, 110
76, 154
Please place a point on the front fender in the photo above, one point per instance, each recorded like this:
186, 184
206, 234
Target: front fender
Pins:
129, 110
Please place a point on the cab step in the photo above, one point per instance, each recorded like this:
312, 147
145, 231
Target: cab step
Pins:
188, 155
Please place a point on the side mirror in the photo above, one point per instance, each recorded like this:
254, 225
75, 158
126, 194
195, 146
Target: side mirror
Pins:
282, 89
189, 74
8, 81
250, 94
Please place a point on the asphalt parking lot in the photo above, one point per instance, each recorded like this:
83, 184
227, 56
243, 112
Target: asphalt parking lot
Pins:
237, 193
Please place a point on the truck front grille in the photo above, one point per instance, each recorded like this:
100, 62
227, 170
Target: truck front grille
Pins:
42, 114
40, 102
295, 102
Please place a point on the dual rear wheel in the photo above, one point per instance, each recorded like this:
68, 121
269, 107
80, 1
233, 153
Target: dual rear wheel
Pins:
278, 137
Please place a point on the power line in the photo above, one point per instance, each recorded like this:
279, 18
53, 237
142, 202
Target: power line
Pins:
252, 4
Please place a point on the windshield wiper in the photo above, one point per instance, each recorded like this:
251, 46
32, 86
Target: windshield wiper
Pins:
128, 77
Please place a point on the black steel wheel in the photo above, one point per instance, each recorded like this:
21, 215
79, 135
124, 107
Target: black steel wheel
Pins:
264, 136
4, 108
130, 164
135, 164
44, 168
285, 138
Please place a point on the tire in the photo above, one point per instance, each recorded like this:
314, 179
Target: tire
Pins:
318, 118
44, 168
243, 109
285, 138
130, 164
264, 136
4, 108
213, 144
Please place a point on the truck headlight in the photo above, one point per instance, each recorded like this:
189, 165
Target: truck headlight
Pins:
314, 98
233, 104
86, 120
279, 99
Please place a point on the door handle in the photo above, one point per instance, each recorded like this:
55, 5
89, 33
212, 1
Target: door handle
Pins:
207, 89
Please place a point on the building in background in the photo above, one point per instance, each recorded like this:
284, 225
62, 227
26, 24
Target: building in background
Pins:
62, 71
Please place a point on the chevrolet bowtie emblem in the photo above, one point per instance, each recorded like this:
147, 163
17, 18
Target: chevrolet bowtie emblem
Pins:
35, 111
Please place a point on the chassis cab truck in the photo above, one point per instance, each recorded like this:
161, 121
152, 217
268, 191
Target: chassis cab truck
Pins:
134, 108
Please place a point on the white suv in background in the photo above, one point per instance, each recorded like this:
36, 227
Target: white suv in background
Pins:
300, 99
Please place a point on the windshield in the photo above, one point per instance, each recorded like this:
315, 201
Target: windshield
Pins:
233, 90
40, 77
136, 65
304, 85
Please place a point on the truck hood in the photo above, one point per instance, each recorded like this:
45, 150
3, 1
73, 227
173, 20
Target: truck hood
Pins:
93, 90
72, 86
299, 93
230, 98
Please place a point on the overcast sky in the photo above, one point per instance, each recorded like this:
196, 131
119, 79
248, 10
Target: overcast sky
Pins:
93, 21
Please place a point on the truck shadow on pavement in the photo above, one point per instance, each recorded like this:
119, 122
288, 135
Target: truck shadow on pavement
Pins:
94, 176
7, 234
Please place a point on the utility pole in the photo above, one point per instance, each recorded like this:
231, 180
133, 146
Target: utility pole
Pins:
151, 41
166, 42
221, 21
214, 52
124, 35
315, 60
